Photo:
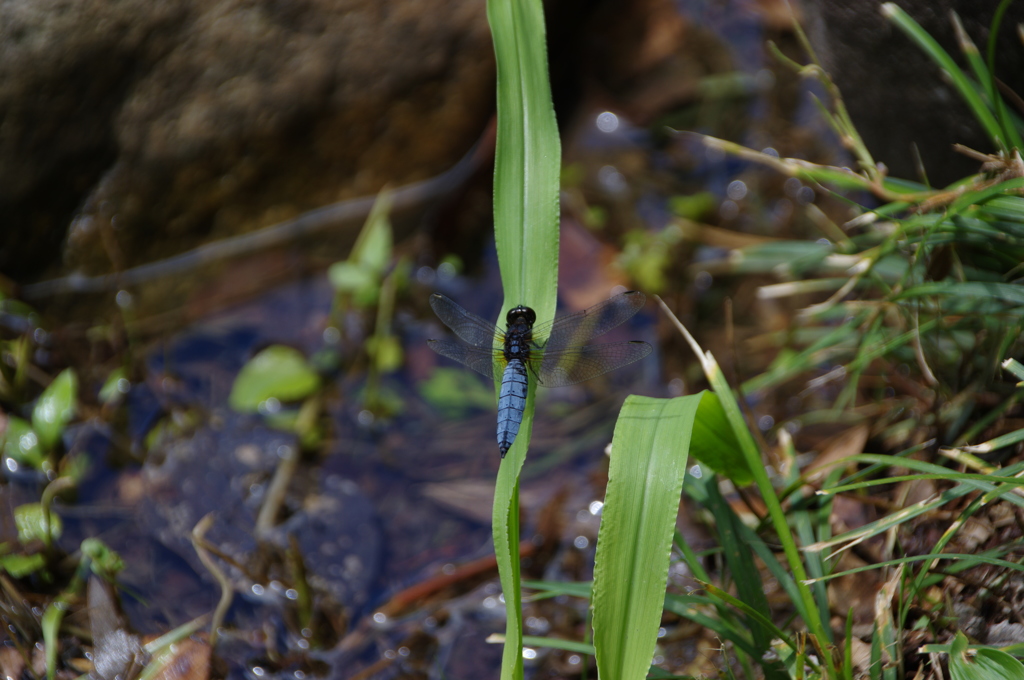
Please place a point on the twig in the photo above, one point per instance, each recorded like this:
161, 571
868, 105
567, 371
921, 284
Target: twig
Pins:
227, 590
304, 225
272, 502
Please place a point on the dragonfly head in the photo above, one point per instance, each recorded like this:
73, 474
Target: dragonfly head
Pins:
521, 312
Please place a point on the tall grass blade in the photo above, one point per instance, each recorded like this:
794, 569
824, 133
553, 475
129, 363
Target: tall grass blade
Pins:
526, 183
961, 82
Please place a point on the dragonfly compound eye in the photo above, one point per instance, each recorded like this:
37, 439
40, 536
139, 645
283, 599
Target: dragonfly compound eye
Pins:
520, 311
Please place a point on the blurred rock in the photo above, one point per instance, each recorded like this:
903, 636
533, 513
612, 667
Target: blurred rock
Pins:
896, 95
137, 123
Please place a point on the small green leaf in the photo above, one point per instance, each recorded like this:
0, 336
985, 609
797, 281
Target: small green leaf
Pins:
286, 419
350, 277
374, 249
982, 664
356, 279
31, 522
452, 264
982, 290
695, 206
278, 372
105, 562
1014, 367
115, 387
52, 618
55, 408
791, 258
21, 443
20, 566
308, 424
361, 273
170, 427
455, 392
714, 442
386, 353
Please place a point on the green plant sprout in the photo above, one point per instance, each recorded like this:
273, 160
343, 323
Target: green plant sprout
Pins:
35, 444
279, 375
371, 277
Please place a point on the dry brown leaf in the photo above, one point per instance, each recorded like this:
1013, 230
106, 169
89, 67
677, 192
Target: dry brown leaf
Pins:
11, 662
860, 656
843, 445
974, 532
856, 592
883, 610
188, 659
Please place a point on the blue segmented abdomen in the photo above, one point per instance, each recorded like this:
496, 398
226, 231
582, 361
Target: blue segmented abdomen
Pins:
511, 404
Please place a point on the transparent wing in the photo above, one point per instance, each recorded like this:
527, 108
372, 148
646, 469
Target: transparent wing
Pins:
483, 361
568, 366
466, 325
581, 327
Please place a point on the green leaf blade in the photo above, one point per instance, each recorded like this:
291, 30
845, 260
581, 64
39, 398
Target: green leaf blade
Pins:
21, 443
52, 618
645, 480
526, 184
55, 409
278, 372
714, 443
984, 664
20, 566
33, 524
115, 386
528, 159
963, 84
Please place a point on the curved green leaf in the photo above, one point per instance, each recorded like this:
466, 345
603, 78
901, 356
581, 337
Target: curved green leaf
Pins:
983, 664
645, 480
115, 386
20, 566
527, 159
360, 274
21, 443
278, 372
526, 185
104, 561
55, 408
714, 443
50, 623
351, 277
30, 519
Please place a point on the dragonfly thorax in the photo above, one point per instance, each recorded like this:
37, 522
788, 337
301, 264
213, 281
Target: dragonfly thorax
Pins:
519, 335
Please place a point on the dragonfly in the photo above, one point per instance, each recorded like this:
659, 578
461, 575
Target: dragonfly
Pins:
514, 354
